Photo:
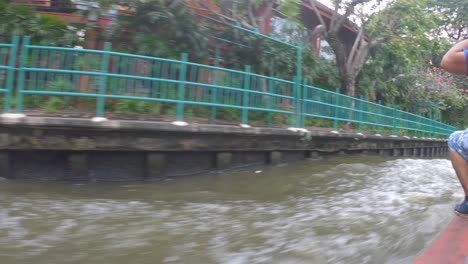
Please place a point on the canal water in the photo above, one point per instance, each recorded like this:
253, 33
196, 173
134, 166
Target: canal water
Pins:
337, 209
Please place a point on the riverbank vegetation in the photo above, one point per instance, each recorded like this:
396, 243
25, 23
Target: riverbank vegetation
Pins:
394, 59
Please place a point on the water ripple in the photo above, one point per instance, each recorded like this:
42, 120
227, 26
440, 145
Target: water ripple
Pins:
332, 211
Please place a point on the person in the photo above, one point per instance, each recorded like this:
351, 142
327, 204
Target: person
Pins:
456, 61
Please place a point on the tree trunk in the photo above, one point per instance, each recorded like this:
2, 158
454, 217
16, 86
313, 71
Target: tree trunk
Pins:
341, 55
349, 85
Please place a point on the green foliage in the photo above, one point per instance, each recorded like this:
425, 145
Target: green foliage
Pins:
455, 113
230, 114
258, 117
291, 9
198, 111
55, 103
134, 107
451, 16
89, 103
318, 122
160, 28
88, 62
320, 72
316, 70
31, 101
60, 84
280, 119
404, 70
391, 61
397, 78
44, 29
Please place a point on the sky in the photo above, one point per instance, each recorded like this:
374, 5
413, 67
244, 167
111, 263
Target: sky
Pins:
366, 6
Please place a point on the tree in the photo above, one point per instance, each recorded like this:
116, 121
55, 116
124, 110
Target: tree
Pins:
22, 20
253, 15
159, 28
404, 71
317, 70
385, 72
452, 21
375, 26
441, 89
452, 26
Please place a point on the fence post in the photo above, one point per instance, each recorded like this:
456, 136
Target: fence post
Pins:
379, 117
361, 108
423, 127
214, 92
418, 132
245, 99
103, 79
298, 102
21, 75
304, 97
294, 103
11, 73
337, 103
270, 91
181, 92
431, 128
270, 103
298, 84
394, 121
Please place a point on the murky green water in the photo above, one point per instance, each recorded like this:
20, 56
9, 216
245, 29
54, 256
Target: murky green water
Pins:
342, 209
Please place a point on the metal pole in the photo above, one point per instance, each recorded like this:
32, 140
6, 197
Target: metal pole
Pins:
11, 73
431, 128
181, 92
21, 75
246, 95
298, 84
270, 97
103, 77
379, 117
337, 103
361, 106
304, 104
214, 93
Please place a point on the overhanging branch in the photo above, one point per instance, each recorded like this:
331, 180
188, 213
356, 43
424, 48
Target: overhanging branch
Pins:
319, 16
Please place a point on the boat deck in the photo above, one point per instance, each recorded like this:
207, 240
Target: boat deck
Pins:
451, 246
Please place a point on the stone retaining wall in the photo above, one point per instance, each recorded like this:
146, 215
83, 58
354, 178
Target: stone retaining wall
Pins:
79, 149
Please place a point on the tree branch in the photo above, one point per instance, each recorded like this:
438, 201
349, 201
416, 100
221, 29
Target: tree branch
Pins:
319, 16
335, 17
221, 16
360, 59
251, 15
357, 42
338, 20
377, 41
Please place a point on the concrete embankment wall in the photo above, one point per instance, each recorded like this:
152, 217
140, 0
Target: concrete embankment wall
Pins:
79, 149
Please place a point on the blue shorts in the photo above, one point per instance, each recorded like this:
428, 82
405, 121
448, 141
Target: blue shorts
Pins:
458, 142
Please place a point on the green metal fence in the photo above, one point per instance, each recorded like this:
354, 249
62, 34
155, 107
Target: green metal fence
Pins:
217, 93
369, 116
7, 70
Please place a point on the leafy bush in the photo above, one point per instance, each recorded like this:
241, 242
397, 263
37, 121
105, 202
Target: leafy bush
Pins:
134, 107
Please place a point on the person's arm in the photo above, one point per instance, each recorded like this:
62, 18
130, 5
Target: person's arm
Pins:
455, 60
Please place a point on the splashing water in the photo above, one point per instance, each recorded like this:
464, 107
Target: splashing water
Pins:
342, 209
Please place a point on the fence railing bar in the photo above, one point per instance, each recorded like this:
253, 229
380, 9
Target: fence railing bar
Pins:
182, 82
